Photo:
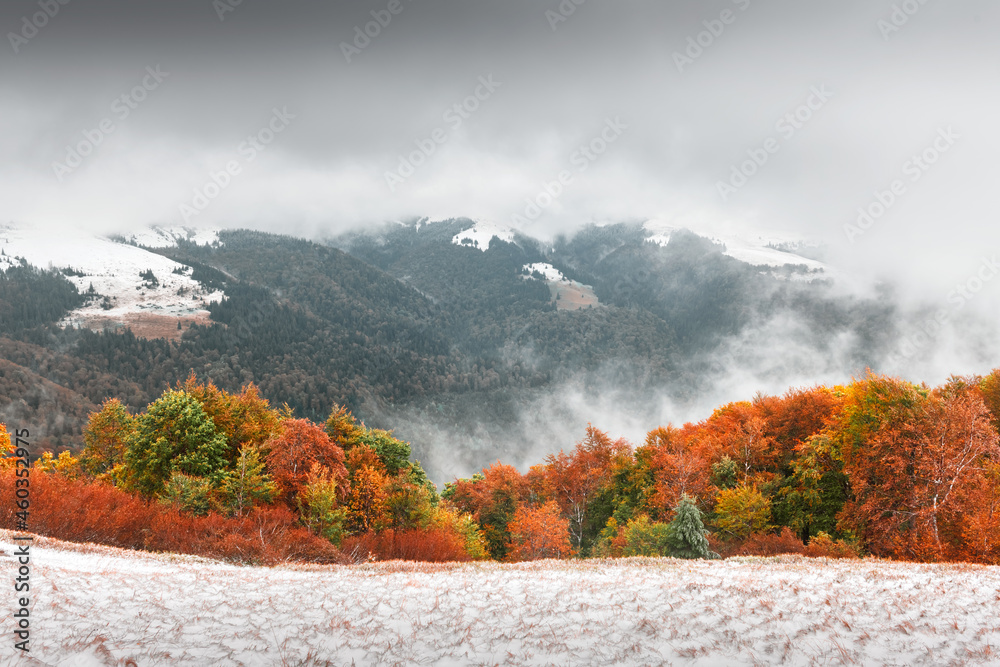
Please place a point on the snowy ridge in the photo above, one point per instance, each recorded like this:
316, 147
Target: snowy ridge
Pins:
98, 606
165, 237
482, 233
768, 250
113, 270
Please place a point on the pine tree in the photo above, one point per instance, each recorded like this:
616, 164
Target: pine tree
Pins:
687, 532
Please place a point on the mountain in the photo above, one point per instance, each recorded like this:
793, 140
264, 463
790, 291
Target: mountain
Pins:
472, 340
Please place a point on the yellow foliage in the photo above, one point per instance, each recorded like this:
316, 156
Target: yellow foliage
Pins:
65, 464
6, 449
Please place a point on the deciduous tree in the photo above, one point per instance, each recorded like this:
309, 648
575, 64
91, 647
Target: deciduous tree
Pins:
541, 532
174, 434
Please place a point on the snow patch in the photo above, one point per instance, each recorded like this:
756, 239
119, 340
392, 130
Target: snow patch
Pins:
482, 233
166, 237
113, 269
754, 248
550, 272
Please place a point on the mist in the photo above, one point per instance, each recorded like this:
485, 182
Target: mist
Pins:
866, 127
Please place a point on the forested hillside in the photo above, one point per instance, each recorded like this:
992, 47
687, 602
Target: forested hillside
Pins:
449, 342
880, 466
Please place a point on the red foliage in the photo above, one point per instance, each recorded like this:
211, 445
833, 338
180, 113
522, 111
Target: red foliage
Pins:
769, 544
797, 415
292, 453
539, 533
681, 464
432, 545
823, 546
741, 432
77, 511
918, 473
575, 478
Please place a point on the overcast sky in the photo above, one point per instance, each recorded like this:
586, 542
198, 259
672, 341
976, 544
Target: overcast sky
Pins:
676, 117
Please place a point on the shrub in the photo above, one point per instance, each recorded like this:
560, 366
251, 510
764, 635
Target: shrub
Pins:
78, 511
64, 464
824, 546
641, 537
742, 511
770, 544
464, 525
433, 545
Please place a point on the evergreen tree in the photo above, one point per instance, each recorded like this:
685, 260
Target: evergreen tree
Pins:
687, 537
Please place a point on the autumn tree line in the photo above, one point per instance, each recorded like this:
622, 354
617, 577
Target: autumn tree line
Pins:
878, 466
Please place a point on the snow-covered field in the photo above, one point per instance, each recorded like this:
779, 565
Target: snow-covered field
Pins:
102, 606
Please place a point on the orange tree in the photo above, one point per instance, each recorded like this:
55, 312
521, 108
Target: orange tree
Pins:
917, 463
492, 498
537, 533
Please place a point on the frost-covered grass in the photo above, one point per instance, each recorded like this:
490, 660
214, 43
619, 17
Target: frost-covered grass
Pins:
102, 606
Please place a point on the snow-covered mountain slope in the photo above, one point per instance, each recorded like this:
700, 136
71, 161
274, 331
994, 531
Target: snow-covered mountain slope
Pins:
98, 606
164, 237
568, 294
757, 249
482, 233
131, 285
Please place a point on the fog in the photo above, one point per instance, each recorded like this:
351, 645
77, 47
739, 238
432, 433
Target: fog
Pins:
866, 126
